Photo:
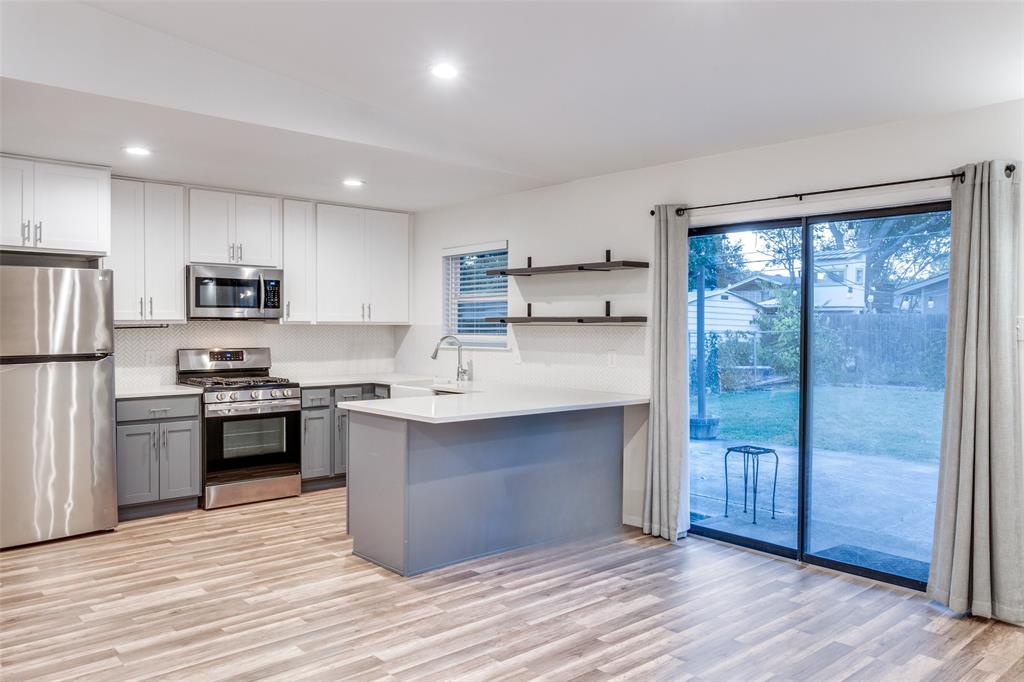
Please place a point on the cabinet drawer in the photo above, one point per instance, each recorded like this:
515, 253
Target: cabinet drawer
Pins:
316, 397
157, 408
348, 393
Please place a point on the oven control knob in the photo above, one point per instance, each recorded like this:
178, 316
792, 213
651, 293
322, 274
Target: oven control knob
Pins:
275, 393
220, 396
287, 392
233, 395
255, 394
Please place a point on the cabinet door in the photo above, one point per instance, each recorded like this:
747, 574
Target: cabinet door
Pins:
72, 208
211, 226
165, 252
340, 264
179, 459
127, 249
138, 469
299, 261
316, 443
258, 230
16, 203
387, 246
340, 455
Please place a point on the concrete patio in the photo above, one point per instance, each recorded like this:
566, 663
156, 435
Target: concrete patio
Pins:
858, 503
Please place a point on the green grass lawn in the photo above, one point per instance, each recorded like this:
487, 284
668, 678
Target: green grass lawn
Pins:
890, 421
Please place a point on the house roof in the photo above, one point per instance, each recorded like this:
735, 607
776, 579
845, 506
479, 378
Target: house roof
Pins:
691, 296
841, 255
772, 279
910, 288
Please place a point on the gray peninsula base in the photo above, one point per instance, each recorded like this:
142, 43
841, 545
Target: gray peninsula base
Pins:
423, 495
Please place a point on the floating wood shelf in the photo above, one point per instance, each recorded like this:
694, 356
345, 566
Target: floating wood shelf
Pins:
598, 319
607, 318
599, 266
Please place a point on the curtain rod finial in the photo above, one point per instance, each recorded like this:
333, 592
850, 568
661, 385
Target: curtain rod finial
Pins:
1009, 169
680, 211
652, 211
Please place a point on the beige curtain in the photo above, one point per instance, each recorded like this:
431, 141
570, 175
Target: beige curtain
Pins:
977, 562
666, 509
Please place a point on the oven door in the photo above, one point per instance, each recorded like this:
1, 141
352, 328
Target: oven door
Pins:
233, 292
247, 441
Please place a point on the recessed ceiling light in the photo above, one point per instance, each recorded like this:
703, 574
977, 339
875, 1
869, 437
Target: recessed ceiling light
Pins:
353, 182
137, 151
444, 70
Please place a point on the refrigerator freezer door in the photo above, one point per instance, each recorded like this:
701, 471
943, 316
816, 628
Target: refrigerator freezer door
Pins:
57, 475
55, 311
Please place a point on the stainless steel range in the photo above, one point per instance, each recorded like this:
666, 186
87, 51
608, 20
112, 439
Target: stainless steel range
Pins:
251, 425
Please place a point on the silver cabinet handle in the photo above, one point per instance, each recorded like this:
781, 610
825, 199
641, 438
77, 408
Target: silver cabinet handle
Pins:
26, 232
142, 310
288, 310
364, 311
305, 429
165, 443
151, 307
231, 256
239, 252
39, 232
152, 443
369, 311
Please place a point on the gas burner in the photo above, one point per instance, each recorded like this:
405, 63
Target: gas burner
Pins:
228, 382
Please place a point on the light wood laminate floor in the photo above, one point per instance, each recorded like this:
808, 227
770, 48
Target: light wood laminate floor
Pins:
271, 591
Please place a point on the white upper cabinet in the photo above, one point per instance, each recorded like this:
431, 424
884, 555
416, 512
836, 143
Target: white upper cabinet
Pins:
258, 229
299, 257
16, 183
234, 228
165, 252
128, 249
340, 264
387, 247
148, 251
55, 207
211, 226
362, 259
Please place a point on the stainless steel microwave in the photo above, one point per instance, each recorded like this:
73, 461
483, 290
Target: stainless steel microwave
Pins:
233, 292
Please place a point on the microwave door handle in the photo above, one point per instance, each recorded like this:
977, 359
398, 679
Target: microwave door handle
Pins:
261, 293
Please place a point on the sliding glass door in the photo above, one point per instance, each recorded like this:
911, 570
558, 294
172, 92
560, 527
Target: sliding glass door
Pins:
819, 389
744, 338
878, 354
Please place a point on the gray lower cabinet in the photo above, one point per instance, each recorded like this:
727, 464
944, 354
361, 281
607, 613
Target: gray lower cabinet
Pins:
179, 459
138, 467
158, 458
316, 442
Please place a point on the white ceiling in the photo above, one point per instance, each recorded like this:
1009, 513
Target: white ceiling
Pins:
549, 91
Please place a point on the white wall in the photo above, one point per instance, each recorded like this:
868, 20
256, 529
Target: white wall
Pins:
577, 221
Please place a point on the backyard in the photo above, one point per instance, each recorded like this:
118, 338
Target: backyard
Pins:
889, 421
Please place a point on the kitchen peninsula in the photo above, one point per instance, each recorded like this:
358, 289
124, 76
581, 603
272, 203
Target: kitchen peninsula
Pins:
481, 468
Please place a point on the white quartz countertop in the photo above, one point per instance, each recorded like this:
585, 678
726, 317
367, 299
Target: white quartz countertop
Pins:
484, 400
154, 391
388, 378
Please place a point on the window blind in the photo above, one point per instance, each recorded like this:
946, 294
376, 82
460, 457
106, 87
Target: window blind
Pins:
470, 295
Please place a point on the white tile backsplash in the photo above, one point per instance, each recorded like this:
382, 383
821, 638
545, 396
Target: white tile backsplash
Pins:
146, 356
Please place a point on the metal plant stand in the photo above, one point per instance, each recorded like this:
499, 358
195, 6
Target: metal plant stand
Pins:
751, 459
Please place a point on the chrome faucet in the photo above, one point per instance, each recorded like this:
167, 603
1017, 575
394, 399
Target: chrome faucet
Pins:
462, 374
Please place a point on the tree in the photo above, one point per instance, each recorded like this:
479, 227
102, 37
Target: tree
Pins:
898, 250
723, 261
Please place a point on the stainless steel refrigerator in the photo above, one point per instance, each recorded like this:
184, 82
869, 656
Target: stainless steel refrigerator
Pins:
57, 470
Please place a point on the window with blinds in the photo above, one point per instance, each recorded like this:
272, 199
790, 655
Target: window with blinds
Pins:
470, 295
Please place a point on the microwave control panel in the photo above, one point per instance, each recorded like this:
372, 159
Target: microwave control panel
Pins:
272, 293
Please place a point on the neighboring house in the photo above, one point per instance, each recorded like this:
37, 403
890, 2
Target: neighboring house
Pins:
928, 296
724, 310
839, 280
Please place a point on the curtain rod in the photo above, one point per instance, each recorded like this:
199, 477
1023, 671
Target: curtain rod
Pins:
680, 211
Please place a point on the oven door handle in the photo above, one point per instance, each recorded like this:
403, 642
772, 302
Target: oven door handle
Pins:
232, 409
